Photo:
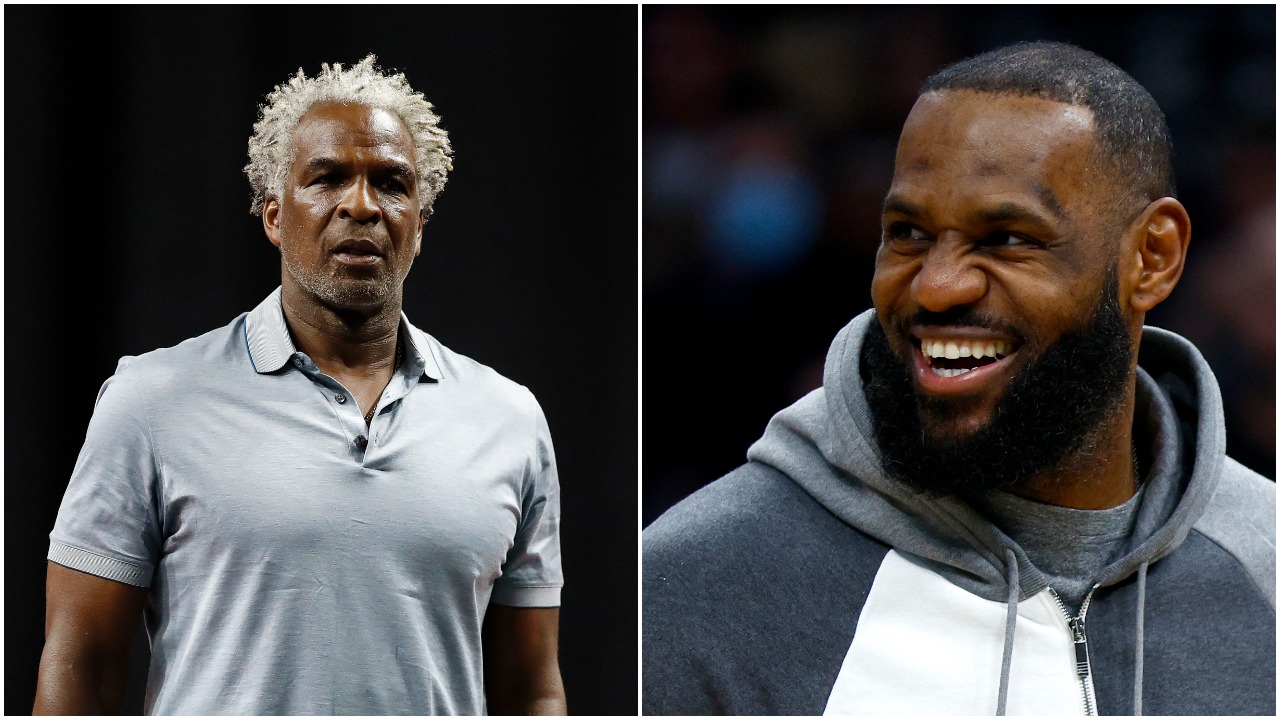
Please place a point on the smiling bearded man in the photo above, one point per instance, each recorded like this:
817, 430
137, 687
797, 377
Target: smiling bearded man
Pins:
1048, 414
1008, 496
321, 508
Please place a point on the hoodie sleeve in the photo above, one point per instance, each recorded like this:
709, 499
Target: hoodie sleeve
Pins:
752, 591
1241, 518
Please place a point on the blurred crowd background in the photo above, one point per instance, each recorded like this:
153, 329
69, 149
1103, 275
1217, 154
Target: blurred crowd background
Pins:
768, 143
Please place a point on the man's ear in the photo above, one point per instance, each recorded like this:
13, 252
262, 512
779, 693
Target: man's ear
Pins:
1158, 248
271, 220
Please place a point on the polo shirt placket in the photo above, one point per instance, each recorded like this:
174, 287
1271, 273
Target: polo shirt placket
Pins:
363, 439
271, 348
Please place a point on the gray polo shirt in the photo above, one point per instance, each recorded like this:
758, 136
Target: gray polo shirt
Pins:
299, 562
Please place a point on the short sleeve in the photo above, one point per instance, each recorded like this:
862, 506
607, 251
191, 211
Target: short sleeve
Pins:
108, 524
531, 575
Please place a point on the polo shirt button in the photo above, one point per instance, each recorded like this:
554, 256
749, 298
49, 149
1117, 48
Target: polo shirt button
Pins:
297, 362
362, 442
340, 398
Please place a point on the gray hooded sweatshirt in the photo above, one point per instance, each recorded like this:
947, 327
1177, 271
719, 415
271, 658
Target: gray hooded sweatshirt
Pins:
809, 582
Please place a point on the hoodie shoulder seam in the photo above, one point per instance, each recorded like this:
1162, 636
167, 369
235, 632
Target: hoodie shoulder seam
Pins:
1243, 568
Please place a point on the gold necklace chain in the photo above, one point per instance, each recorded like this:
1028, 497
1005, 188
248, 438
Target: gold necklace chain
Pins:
368, 418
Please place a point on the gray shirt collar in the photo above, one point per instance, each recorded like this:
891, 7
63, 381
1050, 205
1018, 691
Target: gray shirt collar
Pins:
266, 337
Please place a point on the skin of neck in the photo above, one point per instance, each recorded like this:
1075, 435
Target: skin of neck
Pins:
1101, 473
342, 342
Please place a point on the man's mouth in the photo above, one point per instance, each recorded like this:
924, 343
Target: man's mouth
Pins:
952, 357
961, 361
358, 252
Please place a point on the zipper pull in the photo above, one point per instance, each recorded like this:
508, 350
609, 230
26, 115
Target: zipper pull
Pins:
1082, 648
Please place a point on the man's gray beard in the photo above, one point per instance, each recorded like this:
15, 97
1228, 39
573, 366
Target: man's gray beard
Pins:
340, 292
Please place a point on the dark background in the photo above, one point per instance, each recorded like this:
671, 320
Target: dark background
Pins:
128, 229
769, 136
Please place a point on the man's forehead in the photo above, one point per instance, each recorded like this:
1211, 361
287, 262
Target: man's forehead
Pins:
971, 136
330, 126
982, 118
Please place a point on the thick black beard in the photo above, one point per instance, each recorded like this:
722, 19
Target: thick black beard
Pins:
1045, 417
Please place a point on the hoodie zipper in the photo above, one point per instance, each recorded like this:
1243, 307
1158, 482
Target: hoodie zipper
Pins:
1076, 626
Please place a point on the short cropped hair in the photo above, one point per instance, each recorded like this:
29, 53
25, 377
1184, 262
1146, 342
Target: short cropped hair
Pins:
271, 149
1129, 127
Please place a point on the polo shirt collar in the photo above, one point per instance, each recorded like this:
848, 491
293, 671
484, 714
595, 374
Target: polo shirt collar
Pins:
266, 337
420, 351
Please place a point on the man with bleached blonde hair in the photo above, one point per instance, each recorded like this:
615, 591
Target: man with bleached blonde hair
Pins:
319, 508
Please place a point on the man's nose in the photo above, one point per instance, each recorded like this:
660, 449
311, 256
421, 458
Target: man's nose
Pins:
359, 203
948, 277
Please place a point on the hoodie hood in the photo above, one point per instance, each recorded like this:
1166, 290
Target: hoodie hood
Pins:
825, 444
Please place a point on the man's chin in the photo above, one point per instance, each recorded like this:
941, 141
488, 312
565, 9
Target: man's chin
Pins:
352, 295
952, 421
362, 294
347, 294
950, 435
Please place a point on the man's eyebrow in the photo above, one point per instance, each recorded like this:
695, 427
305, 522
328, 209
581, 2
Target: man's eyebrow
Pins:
325, 164
402, 168
1009, 212
1050, 200
1004, 212
896, 204
318, 164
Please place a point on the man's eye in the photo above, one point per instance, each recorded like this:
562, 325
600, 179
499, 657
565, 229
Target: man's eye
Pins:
326, 179
906, 231
395, 186
1004, 239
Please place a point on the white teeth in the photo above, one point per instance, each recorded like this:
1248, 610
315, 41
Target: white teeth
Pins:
950, 372
955, 349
